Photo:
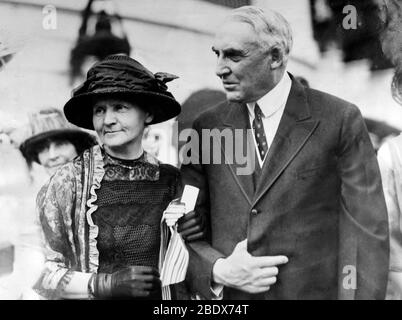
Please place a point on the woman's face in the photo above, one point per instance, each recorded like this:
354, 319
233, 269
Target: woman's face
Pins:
56, 153
119, 125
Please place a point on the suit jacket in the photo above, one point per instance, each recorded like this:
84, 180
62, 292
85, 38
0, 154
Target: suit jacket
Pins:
318, 200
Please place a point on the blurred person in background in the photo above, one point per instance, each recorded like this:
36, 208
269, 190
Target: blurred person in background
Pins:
390, 162
20, 252
101, 213
9, 46
390, 153
156, 141
99, 44
20, 245
53, 141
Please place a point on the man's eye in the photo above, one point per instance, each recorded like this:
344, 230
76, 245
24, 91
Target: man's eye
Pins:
235, 58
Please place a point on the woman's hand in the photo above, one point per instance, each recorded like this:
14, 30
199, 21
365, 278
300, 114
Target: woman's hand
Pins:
192, 226
135, 282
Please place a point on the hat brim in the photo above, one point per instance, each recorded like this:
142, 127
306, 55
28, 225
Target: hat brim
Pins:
78, 110
29, 146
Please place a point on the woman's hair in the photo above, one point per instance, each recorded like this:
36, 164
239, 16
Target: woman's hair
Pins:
80, 143
391, 35
272, 28
390, 12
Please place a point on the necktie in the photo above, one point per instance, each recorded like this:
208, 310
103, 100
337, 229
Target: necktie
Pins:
259, 132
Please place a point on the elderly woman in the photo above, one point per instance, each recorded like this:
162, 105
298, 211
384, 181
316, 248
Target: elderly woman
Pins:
101, 213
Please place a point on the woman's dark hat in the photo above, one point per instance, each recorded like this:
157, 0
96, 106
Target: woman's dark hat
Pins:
123, 77
50, 124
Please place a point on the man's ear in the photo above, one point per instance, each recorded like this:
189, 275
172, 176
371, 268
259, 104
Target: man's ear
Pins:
276, 60
148, 118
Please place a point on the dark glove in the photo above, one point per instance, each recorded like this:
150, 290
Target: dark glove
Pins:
191, 226
135, 282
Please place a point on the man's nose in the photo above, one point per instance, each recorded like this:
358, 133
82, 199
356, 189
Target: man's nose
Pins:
222, 69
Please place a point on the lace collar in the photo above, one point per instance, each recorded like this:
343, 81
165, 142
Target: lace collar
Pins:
146, 167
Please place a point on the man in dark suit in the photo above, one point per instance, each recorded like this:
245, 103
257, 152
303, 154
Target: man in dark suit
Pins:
310, 221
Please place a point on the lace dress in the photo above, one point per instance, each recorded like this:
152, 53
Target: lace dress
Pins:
131, 200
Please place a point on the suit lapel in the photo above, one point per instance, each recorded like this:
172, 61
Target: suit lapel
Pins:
237, 118
295, 128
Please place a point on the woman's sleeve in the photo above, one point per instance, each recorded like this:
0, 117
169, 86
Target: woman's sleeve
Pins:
59, 279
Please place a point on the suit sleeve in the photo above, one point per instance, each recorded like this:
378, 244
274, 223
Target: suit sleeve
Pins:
202, 254
364, 241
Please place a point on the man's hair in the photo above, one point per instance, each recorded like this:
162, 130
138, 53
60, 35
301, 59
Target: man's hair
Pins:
272, 28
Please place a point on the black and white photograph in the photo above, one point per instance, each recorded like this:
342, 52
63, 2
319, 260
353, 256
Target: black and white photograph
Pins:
200, 150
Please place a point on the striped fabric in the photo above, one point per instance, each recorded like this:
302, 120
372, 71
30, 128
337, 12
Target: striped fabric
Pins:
174, 256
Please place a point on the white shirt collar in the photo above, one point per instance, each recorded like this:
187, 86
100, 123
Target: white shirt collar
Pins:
274, 99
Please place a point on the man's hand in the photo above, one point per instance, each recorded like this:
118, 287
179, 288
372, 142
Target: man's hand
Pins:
135, 281
191, 226
244, 272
